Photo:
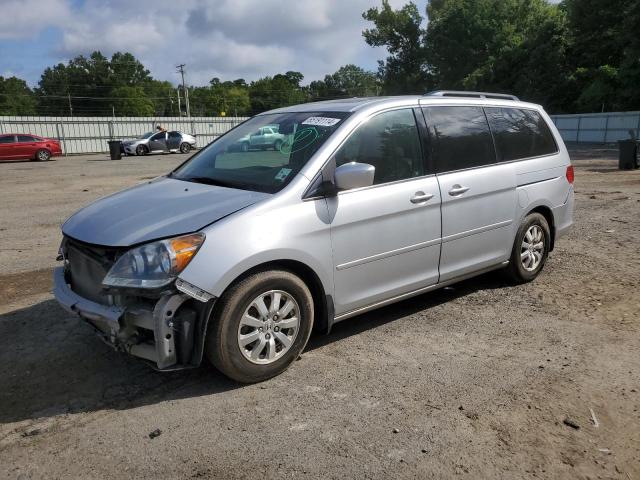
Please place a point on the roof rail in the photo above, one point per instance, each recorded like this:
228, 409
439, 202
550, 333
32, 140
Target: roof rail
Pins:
460, 93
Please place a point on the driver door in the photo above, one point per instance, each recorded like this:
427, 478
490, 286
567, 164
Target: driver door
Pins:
386, 237
158, 142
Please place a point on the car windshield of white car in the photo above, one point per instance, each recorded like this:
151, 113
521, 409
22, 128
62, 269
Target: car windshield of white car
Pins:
264, 153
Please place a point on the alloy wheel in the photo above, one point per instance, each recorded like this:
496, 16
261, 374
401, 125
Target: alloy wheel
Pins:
532, 249
268, 327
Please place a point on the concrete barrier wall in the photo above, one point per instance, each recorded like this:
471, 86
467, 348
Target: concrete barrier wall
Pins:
597, 127
91, 134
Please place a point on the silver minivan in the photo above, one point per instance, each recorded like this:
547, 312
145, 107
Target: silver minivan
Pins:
239, 255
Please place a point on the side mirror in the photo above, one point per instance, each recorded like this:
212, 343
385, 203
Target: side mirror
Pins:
354, 175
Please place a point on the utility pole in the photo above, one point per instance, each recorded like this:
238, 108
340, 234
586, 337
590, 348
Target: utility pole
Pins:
184, 88
179, 107
70, 107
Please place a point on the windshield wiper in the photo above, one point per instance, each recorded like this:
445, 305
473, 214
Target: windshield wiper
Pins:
206, 181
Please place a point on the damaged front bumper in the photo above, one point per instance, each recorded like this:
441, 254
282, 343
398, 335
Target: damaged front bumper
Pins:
168, 332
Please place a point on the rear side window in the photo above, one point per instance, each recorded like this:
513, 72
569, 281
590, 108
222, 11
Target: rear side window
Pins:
174, 135
460, 138
520, 133
7, 139
26, 138
390, 142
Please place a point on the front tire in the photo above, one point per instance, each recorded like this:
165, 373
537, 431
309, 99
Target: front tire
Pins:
141, 150
530, 249
260, 326
244, 147
43, 155
277, 145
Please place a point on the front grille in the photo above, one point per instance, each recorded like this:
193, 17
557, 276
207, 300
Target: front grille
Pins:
88, 266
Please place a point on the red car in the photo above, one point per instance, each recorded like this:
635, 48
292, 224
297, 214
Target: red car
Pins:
18, 146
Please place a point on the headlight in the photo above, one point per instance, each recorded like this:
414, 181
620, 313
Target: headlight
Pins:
155, 264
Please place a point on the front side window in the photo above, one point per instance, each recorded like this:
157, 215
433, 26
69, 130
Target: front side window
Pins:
460, 138
390, 142
159, 136
520, 133
7, 139
246, 160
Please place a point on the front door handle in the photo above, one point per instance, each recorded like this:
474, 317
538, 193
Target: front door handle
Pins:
457, 190
420, 197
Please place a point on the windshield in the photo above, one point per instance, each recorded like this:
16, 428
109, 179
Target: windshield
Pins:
145, 135
264, 153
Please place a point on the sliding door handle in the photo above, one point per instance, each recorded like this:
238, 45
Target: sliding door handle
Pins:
457, 190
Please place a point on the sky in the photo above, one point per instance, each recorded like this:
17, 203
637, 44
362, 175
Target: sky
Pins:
227, 39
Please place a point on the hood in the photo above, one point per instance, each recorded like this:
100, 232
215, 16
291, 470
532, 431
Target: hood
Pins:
131, 141
162, 208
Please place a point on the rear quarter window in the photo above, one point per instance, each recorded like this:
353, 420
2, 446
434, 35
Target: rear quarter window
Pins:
7, 139
520, 133
460, 137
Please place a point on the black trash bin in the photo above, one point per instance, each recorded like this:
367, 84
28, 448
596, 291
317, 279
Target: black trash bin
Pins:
115, 149
628, 156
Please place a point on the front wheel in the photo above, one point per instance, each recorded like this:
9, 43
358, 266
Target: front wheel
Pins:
185, 148
141, 150
530, 249
277, 145
260, 326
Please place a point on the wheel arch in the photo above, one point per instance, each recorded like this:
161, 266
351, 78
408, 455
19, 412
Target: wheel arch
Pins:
547, 213
322, 302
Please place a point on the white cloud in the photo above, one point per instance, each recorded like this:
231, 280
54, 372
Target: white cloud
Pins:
26, 18
222, 38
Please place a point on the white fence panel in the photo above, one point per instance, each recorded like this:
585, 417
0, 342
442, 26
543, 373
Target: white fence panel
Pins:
597, 127
91, 134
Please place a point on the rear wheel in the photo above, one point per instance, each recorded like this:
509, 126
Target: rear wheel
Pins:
141, 150
185, 147
43, 155
260, 326
530, 249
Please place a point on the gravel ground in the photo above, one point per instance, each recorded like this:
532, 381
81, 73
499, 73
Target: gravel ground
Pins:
482, 380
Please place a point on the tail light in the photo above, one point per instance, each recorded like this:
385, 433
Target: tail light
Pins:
570, 175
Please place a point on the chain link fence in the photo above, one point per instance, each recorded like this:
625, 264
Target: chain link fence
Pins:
91, 134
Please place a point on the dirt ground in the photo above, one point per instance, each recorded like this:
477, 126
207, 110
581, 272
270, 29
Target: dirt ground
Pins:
474, 381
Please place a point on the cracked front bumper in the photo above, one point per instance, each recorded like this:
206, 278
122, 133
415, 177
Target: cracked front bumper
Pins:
163, 333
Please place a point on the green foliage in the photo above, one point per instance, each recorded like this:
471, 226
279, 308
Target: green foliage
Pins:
580, 55
277, 91
348, 81
400, 31
16, 98
133, 101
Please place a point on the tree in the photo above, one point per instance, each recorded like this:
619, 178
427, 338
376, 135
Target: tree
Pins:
405, 69
132, 101
524, 53
352, 81
16, 98
280, 90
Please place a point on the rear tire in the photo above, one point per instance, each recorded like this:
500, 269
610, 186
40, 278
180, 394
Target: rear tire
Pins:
141, 150
43, 155
251, 338
530, 249
185, 147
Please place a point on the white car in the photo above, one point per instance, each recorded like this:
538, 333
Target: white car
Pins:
160, 142
263, 138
